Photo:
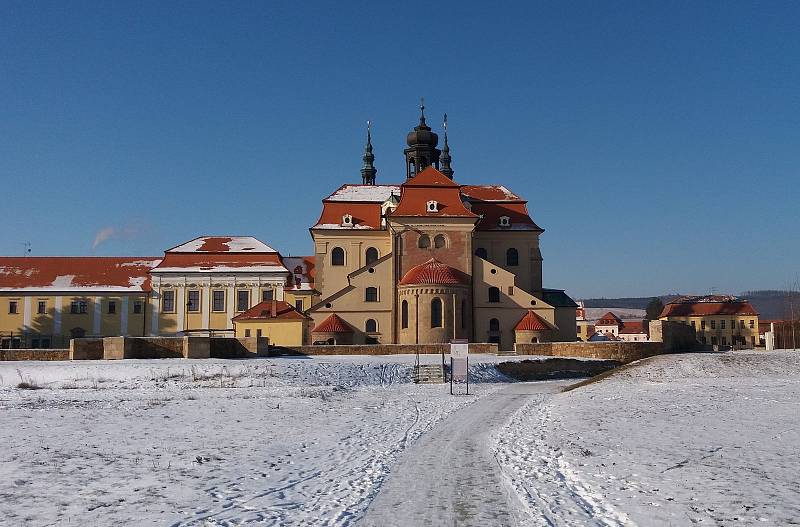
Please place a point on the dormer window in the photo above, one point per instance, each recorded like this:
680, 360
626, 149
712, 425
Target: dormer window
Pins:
505, 221
432, 206
347, 220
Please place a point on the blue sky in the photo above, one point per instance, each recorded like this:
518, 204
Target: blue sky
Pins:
656, 142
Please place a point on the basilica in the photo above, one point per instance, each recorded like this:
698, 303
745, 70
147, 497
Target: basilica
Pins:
425, 260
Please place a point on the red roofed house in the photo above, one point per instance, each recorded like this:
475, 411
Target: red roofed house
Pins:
614, 328
722, 320
275, 319
430, 260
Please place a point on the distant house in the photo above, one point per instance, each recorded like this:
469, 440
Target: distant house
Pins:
615, 328
723, 320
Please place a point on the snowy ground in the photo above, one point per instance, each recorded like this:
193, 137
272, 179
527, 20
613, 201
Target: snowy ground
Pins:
706, 439
285, 441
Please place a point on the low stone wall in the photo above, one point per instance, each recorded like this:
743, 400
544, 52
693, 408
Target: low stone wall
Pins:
676, 337
115, 348
34, 354
555, 368
380, 349
86, 349
622, 352
239, 348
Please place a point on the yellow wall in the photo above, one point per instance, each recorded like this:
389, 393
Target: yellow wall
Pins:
279, 332
57, 321
529, 269
332, 278
722, 335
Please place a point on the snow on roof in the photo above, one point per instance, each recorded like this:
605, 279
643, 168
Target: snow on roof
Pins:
223, 244
223, 269
343, 227
302, 269
370, 193
489, 193
76, 274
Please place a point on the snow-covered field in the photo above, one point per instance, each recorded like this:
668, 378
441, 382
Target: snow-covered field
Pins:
707, 439
173, 442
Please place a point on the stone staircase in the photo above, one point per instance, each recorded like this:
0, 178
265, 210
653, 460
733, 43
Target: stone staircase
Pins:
429, 374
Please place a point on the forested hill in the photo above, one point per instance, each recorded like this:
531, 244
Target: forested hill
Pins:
770, 304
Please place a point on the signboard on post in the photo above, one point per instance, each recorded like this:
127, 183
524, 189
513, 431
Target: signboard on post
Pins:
459, 363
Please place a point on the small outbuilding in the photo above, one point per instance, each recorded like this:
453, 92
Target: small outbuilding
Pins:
275, 319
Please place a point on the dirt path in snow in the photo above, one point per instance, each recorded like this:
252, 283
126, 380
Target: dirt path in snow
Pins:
450, 476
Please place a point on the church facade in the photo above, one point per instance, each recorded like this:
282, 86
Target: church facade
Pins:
428, 260
425, 260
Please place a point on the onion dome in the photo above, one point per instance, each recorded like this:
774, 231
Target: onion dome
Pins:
332, 324
434, 272
422, 135
532, 322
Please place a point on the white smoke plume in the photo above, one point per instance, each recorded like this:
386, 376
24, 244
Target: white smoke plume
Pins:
115, 233
103, 235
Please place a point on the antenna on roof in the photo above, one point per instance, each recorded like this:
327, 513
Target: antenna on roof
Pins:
27, 250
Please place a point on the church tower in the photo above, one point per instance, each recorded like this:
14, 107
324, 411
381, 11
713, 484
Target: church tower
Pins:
368, 170
421, 151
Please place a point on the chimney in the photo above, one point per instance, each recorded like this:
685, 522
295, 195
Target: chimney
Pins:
274, 308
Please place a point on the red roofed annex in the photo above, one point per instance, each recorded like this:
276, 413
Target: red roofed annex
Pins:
421, 259
719, 320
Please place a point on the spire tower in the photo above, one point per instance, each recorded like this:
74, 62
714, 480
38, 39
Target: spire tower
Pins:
421, 151
368, 170
445, 159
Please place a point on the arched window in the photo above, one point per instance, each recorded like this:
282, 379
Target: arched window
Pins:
424, 241
494, 294
436, 313
371, 294
337, 256
439, 241
372, 255
404, 314
512, 257
494, 325
411, 168
371, 326
480, 252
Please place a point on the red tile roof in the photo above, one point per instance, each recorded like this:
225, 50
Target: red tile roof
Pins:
699, 309
332, 324
76, 273
263, 311
489, 193
532, 322
365, 215
428, 185
434, 272
203, 262
306, 265
609, 319
221, 254
223, 244
430, 177
491, 213
630, 327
